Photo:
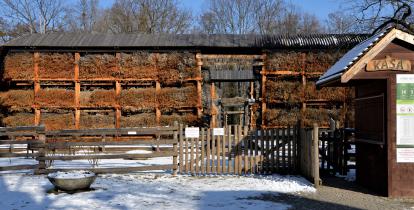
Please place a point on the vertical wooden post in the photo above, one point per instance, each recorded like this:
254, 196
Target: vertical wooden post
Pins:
252, 123
246, 149
218, 150
229, 150
202, 165
199, 90
213, 152
157, 106
223, 153
77, 91
213, 108
36, 88
175, 136
264, 78
181, 141
235, 149
118, 113
41, 153
239, 149
315, 154
208, 170
303, 96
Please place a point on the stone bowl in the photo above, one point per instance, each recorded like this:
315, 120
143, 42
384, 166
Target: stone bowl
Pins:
72, 180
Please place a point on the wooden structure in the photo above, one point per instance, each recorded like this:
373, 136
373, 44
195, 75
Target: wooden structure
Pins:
230, 78
236, 151
380, 164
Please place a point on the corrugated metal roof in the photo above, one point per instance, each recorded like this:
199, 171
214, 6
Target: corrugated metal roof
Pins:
185, 40
350, 58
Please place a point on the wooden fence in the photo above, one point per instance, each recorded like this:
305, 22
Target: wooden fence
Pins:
20, 139
233, 150
335, 151
239, 151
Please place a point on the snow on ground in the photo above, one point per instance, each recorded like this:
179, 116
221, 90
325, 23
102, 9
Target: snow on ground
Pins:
155, 190
151, 191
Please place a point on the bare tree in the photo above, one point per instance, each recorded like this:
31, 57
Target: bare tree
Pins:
370, 14
147, 16
36, 16
339, 22
257, 16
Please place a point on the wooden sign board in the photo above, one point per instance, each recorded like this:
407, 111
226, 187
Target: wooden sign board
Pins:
389, 64
192, 132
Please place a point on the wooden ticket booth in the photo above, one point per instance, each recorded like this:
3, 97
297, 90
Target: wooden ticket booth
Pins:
381, 70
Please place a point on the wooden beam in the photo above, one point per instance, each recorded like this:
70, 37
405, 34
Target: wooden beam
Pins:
77, 118
213, 108
157, 106
199, 90
263, 73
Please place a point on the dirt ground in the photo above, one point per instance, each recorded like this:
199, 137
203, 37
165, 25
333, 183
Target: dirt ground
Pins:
338, 194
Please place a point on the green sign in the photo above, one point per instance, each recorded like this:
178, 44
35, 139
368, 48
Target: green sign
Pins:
405, 118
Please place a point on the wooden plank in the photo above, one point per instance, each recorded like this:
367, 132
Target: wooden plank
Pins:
191, 142
272, 150
229, 150
197, 157
294, 151
181, 142
208, 161
251, 151
20, 142
277, 149
223, 153
262, 150
283, 147
202, 164
17, 167
175, 150
246, 149
213, 152
187, 156
113, 156
110, 170
236, 148
157, 106
239, 149
218, 150
132, 142
8, 154
289, 139
256, 151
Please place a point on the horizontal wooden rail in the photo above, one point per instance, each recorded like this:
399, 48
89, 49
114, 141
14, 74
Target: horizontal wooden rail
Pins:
143, 142
8, 154
111, 170
18, 167
113, 156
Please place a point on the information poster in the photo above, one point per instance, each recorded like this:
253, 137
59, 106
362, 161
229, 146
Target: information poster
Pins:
405, 118
192, 132
218, 131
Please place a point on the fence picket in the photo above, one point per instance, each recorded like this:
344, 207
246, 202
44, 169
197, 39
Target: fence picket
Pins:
235, 152
192, 156
246, 150
229, 151
218, 149
181, 148
277, 150
239, 149
208, 163
197, 157
289, 150
213, 152
223, 154
187, 156
202, 165
272, 151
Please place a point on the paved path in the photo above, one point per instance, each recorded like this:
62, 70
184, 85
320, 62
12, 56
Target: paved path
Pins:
339, 194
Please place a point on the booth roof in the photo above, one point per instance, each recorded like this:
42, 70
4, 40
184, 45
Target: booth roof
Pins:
82, 40
350, 58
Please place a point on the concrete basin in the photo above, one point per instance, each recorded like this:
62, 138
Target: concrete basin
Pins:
72, 180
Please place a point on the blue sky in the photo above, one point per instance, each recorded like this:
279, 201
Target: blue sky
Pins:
321, 8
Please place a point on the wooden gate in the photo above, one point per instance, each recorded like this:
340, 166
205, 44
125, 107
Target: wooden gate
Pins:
337, 151
239, 151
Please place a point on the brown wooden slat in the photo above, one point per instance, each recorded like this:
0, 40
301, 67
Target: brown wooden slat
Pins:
17, 167
230, 168
213, 152
223, 153
262, 151
236, 148
218, 150
187, 156
246, 149
114, 156
272, 151
7, 154
202, 164
197, 157
208, 163
192, 169
181, 142
283, 150
289, 139
111, 170
239, 150
256, 152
